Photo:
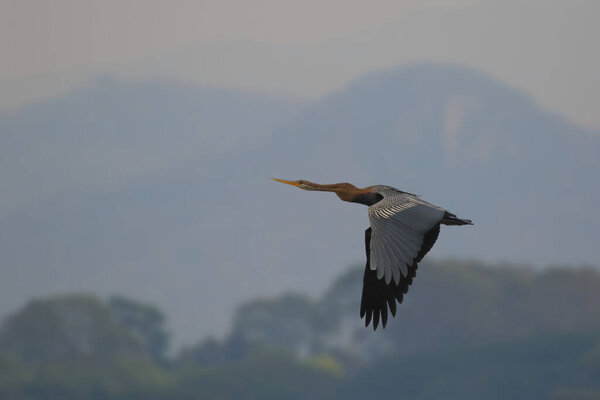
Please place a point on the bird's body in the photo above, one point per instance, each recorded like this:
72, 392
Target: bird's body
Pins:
403, 229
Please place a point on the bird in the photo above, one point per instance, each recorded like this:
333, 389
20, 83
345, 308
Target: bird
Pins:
403, 228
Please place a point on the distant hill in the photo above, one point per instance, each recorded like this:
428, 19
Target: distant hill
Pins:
466, 142
161, 191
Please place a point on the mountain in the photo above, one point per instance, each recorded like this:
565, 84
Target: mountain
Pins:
465, 142
160, 191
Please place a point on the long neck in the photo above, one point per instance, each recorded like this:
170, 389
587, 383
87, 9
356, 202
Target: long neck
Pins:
333, 187
347, 192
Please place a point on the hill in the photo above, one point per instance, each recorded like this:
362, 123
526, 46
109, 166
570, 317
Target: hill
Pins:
161, 191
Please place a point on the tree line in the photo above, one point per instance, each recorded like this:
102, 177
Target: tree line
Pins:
466, 330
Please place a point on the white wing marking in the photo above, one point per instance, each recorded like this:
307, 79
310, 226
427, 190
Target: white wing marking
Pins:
399, 223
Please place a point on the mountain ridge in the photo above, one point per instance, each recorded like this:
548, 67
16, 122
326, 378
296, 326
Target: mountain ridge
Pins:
164, 192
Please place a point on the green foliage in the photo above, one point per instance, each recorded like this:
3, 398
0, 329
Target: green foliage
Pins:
450, 304
467, 331
65, 328
210, 352
288, 322
13, 374
326, 363
540, 367
144, 322
121, 378
266, 373
77, 347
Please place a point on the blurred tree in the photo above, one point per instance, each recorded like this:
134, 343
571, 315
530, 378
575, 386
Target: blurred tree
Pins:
66, 327
145, 322
123, 377
265, 373
539, 367
12, 375
210, 352
466, 331
452, 304
288, 321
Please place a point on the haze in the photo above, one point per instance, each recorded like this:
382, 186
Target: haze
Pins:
301, 49
137, 139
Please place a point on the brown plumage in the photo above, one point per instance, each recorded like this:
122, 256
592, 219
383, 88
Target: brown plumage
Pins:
403, 229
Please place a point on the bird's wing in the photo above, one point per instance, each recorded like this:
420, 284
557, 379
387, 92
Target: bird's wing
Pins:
377, 296
403, 229
399, 223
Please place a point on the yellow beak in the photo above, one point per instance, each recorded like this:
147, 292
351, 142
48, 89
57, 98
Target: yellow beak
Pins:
293, 183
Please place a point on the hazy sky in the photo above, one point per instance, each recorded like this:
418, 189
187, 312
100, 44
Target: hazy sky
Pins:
301, 48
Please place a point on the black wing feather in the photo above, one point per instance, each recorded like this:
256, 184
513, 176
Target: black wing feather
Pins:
377, 296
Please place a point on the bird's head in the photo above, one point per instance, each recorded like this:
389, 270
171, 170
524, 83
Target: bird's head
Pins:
306, 185
302, 184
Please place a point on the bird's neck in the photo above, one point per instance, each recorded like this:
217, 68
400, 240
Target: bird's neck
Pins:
349, 192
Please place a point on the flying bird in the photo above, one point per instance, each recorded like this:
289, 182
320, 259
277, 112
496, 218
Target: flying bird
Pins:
403, 229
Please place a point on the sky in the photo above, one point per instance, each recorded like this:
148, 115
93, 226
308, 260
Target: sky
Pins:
300, 49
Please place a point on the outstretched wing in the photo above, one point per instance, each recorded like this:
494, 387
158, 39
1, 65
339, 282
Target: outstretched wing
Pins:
403, 229
377, 295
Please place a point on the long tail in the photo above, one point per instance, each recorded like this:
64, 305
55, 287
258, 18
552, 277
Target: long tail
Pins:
451, 219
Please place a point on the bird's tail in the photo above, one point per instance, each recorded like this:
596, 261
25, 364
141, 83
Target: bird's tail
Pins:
451, 219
